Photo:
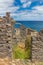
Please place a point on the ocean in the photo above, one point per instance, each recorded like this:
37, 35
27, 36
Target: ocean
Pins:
35, 25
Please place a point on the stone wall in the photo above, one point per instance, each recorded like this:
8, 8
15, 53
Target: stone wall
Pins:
5, 36
37, 48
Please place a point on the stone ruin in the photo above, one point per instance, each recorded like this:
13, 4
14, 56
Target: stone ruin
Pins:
6, 36
36, 41
19, 36
37, 47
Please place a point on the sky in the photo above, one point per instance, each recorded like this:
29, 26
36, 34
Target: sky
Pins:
23, 10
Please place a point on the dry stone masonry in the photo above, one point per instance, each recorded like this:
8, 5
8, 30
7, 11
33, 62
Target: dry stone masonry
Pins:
37, 47
5, 36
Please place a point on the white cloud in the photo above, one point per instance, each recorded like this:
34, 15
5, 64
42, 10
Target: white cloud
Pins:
27, 4
26, 15
7, 5
23, 1
35, 14
39, 9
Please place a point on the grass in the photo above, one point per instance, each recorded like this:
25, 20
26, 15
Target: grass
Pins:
19, 53
28, 47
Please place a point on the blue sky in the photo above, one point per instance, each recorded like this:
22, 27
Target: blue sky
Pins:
23, 9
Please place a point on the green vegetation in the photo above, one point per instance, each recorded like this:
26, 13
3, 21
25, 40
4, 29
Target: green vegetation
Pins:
19, 53
28, 47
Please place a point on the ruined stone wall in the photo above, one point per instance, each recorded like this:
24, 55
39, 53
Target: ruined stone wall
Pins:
36, 42
19, 34
5, 36
2, 38
37, 48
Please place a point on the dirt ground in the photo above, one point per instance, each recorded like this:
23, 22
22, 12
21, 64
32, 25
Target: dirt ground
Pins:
6, 61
